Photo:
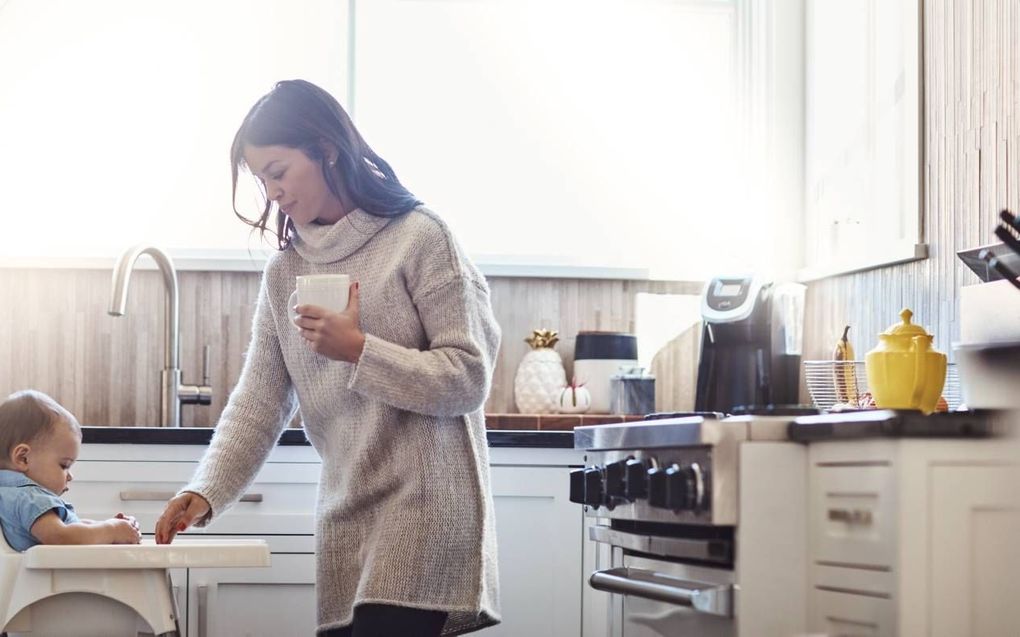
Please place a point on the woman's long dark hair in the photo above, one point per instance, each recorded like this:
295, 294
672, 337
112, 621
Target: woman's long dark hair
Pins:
299, 114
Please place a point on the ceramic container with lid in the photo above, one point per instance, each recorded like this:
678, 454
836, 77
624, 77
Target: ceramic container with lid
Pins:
904, 371
598, 356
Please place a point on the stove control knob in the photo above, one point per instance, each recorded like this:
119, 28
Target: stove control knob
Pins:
615, 479
697, 487
635, 480
594, 494
577, 486
676, 488
657, 491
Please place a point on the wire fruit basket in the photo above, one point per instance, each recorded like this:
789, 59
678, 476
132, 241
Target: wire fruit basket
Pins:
836, 385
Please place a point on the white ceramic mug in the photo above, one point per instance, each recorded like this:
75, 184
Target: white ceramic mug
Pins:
331, 291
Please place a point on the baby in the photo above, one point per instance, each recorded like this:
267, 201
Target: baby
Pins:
39, 441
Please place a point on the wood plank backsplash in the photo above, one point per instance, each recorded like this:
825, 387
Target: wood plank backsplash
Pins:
971, 171
56, 335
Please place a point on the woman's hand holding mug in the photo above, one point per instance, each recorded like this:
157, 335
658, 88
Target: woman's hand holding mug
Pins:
327, 327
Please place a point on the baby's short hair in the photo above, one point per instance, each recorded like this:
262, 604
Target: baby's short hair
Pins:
28, 415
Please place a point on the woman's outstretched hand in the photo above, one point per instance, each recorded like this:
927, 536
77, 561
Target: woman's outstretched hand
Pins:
181, 511
335, 335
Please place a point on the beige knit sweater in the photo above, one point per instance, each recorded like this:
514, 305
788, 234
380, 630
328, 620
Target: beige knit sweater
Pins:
405, 511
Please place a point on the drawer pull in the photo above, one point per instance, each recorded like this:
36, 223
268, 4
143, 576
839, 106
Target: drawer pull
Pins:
852, 622
851, 516
163, 496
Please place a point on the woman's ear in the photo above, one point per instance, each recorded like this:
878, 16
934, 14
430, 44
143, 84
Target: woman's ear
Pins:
329, 152
19, 456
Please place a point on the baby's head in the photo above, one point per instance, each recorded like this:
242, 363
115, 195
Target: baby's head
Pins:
39, 438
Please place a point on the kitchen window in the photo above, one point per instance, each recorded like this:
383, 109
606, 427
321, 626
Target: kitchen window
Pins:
605, 132
597, 133
117, 116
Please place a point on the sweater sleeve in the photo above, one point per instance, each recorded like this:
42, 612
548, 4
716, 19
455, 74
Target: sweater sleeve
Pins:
259, 407
450, 378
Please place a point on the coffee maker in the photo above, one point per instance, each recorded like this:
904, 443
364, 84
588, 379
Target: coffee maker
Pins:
751, 342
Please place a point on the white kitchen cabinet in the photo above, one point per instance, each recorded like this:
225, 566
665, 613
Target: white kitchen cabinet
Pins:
245, 602
539, 532
975, 591
279, 508
914, 537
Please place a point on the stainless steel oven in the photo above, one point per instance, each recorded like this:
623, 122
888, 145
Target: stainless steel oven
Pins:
664, 496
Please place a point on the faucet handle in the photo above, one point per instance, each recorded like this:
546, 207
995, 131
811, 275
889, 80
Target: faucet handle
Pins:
198, 394
206, 357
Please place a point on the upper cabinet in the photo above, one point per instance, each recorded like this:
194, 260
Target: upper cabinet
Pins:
863, 132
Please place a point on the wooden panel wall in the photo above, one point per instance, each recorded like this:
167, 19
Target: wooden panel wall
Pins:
971, 171
56, 335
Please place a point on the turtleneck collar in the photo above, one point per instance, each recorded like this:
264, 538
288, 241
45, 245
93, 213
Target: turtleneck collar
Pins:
328, 243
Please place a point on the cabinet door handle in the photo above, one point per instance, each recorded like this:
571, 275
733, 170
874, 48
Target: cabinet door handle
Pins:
163, 496
851, 516
176, 599
203, 611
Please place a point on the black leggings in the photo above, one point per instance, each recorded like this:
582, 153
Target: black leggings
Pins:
384, 620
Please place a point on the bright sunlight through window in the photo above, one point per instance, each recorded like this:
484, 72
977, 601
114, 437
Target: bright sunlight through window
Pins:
595, 132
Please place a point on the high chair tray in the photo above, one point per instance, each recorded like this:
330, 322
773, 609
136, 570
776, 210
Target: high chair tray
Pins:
148, 554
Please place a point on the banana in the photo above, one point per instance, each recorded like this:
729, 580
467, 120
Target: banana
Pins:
844, 374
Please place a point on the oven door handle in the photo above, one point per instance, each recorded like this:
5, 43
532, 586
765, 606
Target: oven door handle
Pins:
711, 599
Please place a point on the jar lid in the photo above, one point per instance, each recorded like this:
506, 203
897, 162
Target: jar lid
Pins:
906, 328
631, 372
605, 346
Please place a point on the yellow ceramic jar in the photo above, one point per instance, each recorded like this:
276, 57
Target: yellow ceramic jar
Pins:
904, 372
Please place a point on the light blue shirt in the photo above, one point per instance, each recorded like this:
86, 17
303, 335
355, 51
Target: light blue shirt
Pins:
22, 502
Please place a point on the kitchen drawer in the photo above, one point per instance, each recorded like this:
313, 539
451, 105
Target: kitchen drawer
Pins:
838, 614
863, 581
853, 514
280, 500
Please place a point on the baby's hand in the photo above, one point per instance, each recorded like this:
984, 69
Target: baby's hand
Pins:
129, 518
123, 531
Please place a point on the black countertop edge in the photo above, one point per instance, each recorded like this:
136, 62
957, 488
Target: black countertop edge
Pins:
291, 437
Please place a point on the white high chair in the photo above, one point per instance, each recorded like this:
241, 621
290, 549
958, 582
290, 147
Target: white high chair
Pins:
106, 590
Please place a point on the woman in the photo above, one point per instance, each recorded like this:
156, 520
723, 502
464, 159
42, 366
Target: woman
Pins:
390, 390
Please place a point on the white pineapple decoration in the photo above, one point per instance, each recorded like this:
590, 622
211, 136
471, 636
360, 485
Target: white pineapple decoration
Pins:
540, 376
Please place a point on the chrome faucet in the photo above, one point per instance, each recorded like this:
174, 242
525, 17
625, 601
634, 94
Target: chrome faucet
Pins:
172, 393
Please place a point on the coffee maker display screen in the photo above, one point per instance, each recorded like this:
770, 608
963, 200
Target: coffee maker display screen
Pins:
728, 289
726, 295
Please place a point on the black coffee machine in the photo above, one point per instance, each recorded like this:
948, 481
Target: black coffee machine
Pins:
750, 344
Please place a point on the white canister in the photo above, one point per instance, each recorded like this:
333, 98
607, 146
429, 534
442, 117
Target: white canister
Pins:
597, 357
